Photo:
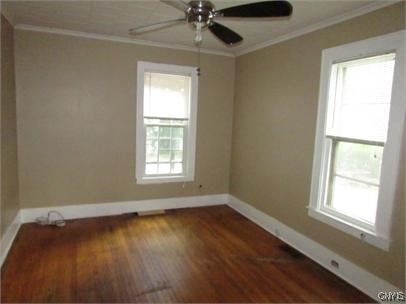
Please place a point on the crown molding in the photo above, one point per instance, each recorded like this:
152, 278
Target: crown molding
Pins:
50, 30
6, 14
308, 29
320, 25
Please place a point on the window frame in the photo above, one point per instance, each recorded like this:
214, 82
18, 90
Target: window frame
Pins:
189, 143
379, 234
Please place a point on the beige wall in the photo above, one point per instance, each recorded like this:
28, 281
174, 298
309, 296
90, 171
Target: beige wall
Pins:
76, 101
273, 137
9, 180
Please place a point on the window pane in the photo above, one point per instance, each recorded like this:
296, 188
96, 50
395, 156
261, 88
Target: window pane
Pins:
152, 132
177, 156
152, 150
164, 155
151, 168
354, 199
164, 168
166, 95
361, 94
164, 132
358, 161
177, 144
177, 132
164, 144
176, 168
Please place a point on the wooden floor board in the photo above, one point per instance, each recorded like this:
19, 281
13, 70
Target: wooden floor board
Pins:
210, 254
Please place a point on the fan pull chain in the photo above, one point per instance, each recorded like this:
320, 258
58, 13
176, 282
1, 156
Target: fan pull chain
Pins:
198, 60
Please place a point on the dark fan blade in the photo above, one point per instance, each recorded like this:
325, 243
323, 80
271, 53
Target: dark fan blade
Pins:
258, 9
178, 4
224, 33
154, 26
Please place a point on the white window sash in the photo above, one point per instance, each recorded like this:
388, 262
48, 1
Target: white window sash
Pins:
324, 205
184, 165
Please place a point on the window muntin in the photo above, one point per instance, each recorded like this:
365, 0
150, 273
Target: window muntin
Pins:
357, 123
166, 127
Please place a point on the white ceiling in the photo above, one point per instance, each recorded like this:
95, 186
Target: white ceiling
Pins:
116, 17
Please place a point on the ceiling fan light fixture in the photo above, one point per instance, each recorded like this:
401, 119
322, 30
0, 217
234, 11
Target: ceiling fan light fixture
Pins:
198, 35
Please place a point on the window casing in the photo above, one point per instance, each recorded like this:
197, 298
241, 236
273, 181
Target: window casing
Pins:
166, 123
358, 137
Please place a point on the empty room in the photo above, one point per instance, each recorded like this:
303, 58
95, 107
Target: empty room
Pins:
203, 151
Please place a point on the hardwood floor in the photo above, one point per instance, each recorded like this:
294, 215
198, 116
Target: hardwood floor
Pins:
208, 254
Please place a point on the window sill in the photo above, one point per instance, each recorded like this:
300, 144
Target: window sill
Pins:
360, 233
163, 179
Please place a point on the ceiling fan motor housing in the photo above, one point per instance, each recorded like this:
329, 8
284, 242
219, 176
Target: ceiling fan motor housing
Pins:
201, 12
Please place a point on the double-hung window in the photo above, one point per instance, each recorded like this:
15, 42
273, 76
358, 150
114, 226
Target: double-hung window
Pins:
166, 123
359, 135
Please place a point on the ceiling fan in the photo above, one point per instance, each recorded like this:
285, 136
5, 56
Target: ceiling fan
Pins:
201, 15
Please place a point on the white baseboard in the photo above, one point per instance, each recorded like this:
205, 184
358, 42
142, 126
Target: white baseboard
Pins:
348, 271
8, 238
104, 209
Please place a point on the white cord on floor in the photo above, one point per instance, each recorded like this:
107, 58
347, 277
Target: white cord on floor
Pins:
46, 220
